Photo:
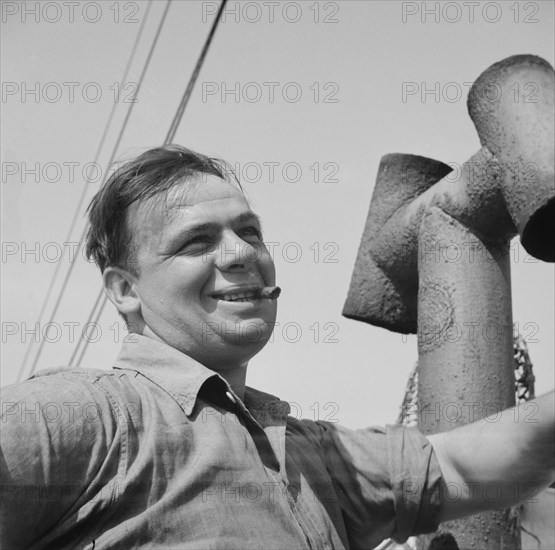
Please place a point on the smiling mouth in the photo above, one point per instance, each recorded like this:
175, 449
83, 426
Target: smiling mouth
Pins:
250, 295
238, 297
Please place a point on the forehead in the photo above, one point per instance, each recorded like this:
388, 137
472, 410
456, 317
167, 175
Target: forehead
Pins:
202, 198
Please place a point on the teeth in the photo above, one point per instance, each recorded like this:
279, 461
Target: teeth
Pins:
239, 297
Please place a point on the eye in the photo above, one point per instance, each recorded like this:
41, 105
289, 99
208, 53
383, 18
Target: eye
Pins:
199, 243
251, 232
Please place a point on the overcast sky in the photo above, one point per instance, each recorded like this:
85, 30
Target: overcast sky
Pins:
303, 98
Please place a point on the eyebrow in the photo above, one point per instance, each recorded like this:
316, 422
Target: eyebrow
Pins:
248, 217
211, 226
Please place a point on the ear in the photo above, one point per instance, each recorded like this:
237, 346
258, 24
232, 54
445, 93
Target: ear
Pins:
119, 285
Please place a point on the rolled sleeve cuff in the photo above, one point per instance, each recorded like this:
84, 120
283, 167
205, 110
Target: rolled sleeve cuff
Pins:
416, 482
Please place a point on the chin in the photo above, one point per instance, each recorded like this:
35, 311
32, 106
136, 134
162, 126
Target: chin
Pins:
248, 333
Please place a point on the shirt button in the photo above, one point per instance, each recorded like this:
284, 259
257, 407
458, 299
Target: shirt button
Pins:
230, 397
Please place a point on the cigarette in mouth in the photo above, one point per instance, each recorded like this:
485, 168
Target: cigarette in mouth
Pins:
270, 292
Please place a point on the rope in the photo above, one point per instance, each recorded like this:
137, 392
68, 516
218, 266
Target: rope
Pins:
408, 414
524, 376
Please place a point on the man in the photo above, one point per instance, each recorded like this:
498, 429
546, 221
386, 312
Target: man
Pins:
171, 449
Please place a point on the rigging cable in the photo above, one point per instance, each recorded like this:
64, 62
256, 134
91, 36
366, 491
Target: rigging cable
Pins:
101, 297
112, 156
84, 192
192, 81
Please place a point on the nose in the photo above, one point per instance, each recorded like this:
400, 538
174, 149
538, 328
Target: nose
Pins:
235, 254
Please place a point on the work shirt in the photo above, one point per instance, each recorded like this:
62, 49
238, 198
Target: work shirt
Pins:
159, 452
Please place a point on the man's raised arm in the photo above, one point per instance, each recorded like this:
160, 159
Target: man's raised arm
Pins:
511, 455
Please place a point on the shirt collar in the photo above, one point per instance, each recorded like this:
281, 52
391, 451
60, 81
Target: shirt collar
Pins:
176, 373
182, 377
267, 409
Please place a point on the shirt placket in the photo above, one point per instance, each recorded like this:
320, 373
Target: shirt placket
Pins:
299, 506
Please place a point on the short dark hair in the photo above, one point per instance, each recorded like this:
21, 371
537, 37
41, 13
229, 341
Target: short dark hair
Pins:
109, 240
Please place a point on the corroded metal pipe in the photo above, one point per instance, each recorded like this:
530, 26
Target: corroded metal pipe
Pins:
507, 187
434, 260
518, 130
465, 351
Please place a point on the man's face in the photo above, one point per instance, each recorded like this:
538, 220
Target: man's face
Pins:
198, 251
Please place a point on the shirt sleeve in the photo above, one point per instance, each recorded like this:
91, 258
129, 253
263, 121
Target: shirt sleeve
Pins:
57, 442
387, 481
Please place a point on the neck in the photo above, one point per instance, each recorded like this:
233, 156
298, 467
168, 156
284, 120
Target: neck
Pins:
235, 376
233, 371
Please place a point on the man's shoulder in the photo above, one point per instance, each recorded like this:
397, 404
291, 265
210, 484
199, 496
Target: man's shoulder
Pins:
61, 378
67, 369
67, 410
69, 385
78, 372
